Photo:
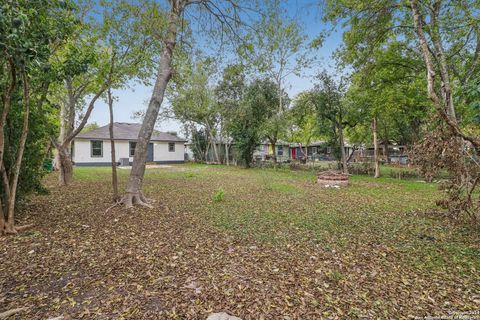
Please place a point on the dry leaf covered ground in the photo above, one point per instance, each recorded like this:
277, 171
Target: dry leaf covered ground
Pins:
257, 244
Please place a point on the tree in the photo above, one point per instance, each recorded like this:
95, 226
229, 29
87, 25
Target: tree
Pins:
277, 49
82, 64
385, 90
217, 9
29, 33
332, 112
303, 120
229, 93
193, 101
126, 33
448, 36
258, 104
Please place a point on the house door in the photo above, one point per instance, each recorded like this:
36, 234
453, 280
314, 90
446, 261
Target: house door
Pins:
294, 153
150, 152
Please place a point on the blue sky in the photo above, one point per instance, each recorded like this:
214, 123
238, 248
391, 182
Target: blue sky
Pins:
136, 97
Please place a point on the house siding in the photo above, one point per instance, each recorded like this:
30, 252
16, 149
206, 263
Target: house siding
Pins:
82, 154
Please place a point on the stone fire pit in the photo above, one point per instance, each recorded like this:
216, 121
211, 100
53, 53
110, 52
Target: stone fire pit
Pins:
332, 179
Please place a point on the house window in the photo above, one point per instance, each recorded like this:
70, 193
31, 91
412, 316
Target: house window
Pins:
132, 148
171, 147
314, 150
96, 148
280, 150
329, 149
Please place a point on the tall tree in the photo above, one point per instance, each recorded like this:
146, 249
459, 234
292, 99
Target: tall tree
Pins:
446, 36
30, 32
333, 112
229, 93
127, 34
83, 64
193, 101
277, 49
304, 127
258, 104
225, 13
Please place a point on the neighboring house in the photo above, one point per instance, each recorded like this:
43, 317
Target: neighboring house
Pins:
318, 150
92, 148
264, 151
391, 150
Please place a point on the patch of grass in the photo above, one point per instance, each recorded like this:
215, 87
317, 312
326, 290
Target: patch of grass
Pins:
218, 195
283, 187
279, 205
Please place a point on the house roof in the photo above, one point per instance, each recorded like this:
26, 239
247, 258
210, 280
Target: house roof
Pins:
126, 131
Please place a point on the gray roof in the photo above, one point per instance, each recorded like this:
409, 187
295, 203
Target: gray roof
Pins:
126, 131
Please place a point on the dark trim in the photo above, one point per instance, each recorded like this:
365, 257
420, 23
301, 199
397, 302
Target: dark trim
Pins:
91, 148
105, 164
130, 148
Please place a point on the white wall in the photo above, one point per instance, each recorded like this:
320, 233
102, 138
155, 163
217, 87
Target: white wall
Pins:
82, 152
161, 153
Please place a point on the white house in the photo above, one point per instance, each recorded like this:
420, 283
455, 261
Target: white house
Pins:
93, 148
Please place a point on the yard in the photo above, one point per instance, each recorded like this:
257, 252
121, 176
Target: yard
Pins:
257, 244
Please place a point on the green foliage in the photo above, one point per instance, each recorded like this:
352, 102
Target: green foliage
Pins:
218, 195
90, 127
30, 32
258, 103
304, 127
199, 144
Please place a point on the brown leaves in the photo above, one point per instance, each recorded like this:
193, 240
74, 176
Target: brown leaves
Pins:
183, 264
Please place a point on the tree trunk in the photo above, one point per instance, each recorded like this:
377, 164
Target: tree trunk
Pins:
10, 223
444, 108
63, 147
386, 152
342, 147
65, 176
116, 197
376, 155
61, 137
227, 160
6, 100
273, 142
207, 149
214, 144
133, 193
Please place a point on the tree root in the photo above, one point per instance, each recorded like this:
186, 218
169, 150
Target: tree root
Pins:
11, 312
12, 230
117, 203
131, 199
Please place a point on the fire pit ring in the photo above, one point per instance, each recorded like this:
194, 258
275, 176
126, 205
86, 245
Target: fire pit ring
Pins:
332, 179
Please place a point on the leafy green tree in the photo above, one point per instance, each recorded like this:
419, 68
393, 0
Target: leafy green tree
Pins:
304, 127
127, 32
193, 101
277, 49
386, 92
333, 112
258, 104
82, 63
445, 35
229, 93
30, 32
225, 14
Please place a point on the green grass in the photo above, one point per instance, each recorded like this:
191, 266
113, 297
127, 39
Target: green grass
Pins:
278, 206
